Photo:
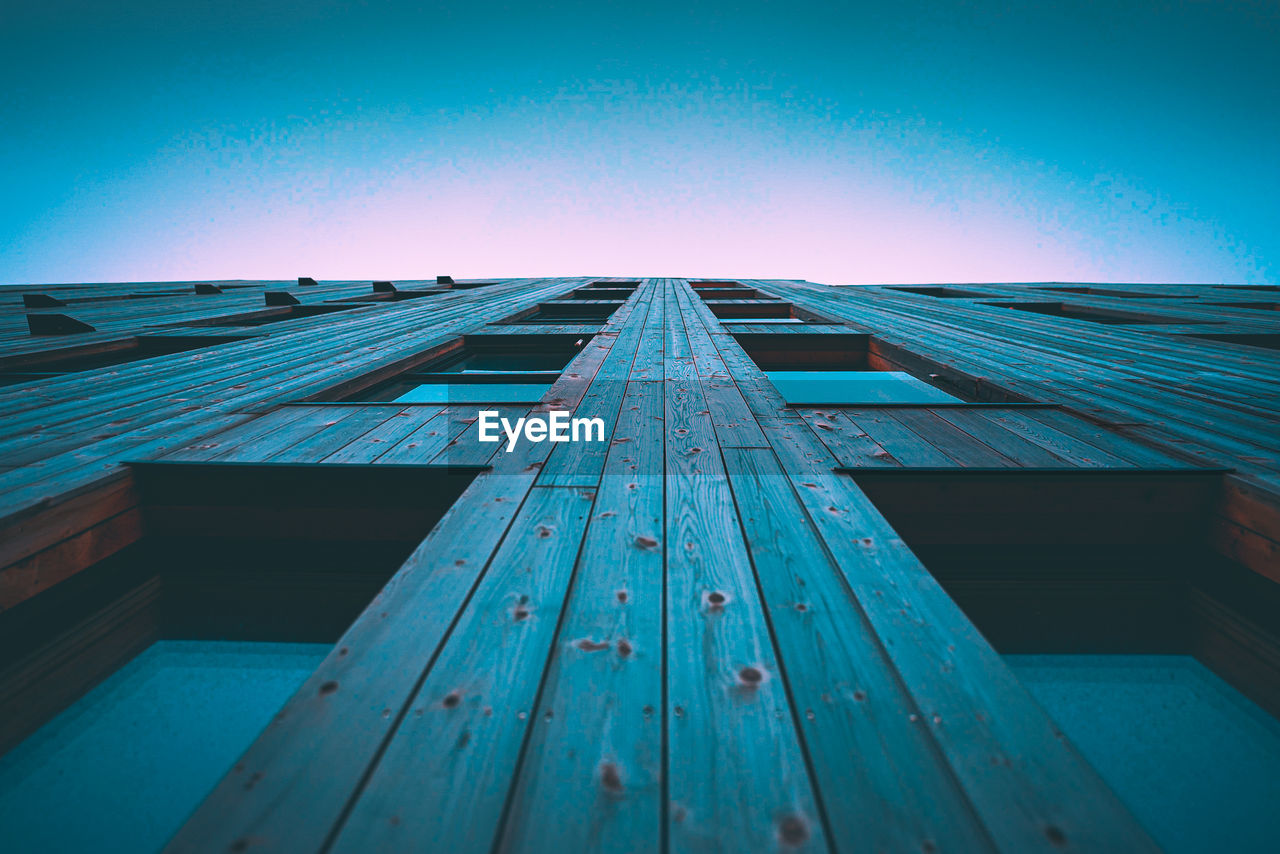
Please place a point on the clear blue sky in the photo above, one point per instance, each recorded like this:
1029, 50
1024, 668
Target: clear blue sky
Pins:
888, 141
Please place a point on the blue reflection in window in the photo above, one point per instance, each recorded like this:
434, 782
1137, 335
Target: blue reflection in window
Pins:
853, 387
474, 393
123, 767
1196, 761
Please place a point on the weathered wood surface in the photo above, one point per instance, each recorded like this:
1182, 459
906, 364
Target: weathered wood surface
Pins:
695, 636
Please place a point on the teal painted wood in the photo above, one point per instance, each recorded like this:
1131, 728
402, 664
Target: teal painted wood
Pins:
1078, 452
737, 776
981, 426
749, 770
898, 794
396, 425
1032, 790
344, 430
443, 780
963, 449
290, 789
906, 445
591, 775
846, 441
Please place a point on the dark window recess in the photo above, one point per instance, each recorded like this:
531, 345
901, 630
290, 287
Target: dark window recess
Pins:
601, 290
232, 552
714, 284
940, 293
1268, 288
856, 368
1259, 306
1094, 315
389, 292
1106, 292
21, 369
568, 311
732, 293
1113, 608
478, 369
1269, 341
763, 310
1090, 562
274, 315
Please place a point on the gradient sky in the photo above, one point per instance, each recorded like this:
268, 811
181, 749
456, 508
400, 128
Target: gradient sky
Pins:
892, 141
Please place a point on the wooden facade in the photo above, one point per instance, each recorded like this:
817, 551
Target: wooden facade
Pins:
741, 623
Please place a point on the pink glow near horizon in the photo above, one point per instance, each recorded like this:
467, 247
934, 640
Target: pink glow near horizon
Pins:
608, 186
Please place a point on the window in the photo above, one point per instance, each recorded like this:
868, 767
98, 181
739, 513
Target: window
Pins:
1195, 760
736, 292
274, 315
836, 369
1260, 306
131, 687
566, 312
1269, 288
1269, 341
763, 310
854, 387
940, 293
481, 369
1107, 292
1154, 654
21, 369
1094, 315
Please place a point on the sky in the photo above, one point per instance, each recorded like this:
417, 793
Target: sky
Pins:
849, 143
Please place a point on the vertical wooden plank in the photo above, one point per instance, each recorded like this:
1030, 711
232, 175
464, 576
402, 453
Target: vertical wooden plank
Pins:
291, 787
883, 781
737, 776
369, 446
590, 778
443, 779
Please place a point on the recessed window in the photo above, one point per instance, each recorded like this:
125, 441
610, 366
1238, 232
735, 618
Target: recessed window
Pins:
1147, 647
1266, 340
566, 312
854, 387
837, 370
940, 293
274, 315
1258, 306
1107, 292
58, 363
129, 760
708, 293
1093, 315
762, 310
129, 689
1195, 760
481, 369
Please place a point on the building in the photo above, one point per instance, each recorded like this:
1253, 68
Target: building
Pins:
971, 567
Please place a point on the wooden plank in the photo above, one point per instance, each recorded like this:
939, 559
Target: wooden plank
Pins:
594, 759
290, 788
397, 425
456, 749
898, 794
737, 775
964, 449
904, 444
1031, 789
